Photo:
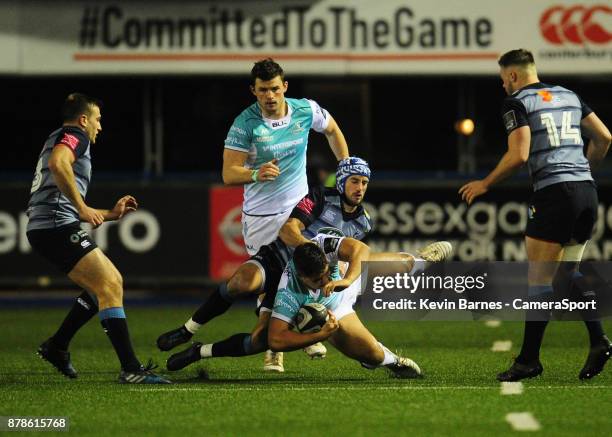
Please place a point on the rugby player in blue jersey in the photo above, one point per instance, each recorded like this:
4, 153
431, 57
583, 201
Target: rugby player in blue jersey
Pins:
55, 210
545, 125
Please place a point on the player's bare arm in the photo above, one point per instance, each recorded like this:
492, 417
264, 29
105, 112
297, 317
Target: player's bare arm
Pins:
291, 232
599, 139
60, 165
336, 139
514, 158
353, 252
281, 337
235, 173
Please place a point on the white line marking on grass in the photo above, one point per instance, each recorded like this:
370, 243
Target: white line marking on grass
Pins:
284, 387
501, 346
511, 388
523, 421
495, 323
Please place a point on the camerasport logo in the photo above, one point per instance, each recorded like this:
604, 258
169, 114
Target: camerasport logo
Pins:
577, 25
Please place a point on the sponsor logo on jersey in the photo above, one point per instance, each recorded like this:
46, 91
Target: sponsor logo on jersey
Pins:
237, 129
279, 123
546, 95
297, 128
70, 141
329, 216
330, 245
510, 120
263, 139
306, 205
329, 230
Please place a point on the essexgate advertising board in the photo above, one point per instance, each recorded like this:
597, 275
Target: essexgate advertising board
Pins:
491, 229
310, 37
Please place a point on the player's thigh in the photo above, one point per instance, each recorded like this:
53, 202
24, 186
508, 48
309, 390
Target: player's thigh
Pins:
248, 279
354, 340
586, 205
96, 273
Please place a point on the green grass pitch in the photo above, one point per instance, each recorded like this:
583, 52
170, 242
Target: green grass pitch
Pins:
335, 396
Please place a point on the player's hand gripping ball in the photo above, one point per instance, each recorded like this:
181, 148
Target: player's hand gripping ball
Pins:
311, 317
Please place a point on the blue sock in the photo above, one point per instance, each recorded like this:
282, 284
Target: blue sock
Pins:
115, 325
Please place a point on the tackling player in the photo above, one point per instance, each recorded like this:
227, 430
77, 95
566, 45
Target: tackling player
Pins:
338, 211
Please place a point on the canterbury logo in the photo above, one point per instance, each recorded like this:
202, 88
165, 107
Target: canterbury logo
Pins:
546, 95
577, 24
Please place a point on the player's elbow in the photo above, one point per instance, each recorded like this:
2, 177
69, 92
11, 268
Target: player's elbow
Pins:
227, 179
606, 138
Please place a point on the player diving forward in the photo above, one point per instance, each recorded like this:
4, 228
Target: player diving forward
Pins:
340, 209
313, 276
317, 212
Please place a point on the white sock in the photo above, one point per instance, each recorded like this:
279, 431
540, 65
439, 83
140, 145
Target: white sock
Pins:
390, 357
206, 351
192, 326
419, 264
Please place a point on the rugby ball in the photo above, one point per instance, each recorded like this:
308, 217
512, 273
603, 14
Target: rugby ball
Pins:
311, 317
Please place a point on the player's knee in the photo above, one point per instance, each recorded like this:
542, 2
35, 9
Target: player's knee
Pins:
111, 289
115, 283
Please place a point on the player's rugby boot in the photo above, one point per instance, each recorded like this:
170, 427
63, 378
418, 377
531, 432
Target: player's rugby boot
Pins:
434, 252
519, 371
598, 356
405, 368
273, 362
184, 358
171, 339
60, 359
143, 376
316, 351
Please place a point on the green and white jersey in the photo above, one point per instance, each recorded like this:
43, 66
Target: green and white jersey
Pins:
292, 294
285, 139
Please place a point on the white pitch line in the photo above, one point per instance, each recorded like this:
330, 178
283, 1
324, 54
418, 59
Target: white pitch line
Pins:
495, 323
501, 346
216, 387
511, 388
523, 421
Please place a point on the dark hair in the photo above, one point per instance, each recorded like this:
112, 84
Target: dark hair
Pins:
309, 260
266, 69
520, 57
77, 104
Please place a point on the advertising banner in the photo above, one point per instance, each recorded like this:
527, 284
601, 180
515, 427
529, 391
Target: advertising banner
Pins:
492, 229
311, 37
165, 240
227, 250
